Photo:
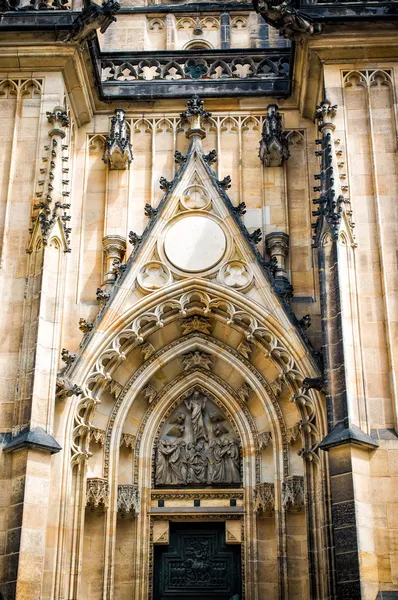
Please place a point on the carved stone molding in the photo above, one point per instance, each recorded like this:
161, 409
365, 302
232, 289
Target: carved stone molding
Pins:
274, 146
264, 498
114, 249
97, 493
128, 500
293, 497
196, 359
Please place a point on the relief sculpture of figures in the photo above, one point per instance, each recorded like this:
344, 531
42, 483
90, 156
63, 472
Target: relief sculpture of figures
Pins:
203, 451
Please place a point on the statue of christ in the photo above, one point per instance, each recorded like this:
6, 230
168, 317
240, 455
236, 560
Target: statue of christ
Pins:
196, 404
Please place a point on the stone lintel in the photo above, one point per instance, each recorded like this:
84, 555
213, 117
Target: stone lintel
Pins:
208, 510
341, 435
33, 438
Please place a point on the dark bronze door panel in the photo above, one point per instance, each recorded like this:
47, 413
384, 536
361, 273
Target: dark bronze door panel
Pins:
197, 565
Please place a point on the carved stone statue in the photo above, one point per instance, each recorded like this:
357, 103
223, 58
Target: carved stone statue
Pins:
197, 446
196, 405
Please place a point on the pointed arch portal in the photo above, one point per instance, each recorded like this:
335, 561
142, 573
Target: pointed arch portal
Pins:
193, 410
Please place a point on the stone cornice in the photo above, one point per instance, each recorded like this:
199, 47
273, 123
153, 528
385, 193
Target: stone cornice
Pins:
20, 54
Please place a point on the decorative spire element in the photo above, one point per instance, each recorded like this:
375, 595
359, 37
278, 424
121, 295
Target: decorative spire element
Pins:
118, 153
194, 115
274, 150
330, 203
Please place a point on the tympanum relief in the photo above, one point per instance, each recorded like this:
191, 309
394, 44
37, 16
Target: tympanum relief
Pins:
197, 446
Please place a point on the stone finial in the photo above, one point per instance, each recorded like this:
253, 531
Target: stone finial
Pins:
293, 497
195, 115
114, 249
274, 147
325, 112
118, 153
128, 500
264, 498
97, 494
277, 246
291, 23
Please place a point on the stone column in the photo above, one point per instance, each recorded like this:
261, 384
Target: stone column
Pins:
225, 22
277, 247
114, 248
171, 32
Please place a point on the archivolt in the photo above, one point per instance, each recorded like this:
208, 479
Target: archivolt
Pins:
185, 344
129, 330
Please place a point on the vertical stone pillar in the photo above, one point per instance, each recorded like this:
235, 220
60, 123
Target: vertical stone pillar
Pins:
277, 247
171, 32
225, 22
114, 248
118, 156
347, 444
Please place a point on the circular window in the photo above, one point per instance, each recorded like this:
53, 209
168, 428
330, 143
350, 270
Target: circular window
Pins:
195, 243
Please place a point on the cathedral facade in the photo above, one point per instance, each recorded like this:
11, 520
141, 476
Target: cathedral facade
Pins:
198, 274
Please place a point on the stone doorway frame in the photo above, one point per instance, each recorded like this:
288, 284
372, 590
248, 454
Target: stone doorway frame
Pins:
195, 518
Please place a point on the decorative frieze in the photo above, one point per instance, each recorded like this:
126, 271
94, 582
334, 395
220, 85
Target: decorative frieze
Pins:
264, 498
274, 146
128, 500
97, 494
118, 153
293, 497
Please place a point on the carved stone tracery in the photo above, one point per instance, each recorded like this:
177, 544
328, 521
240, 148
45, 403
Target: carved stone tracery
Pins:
293, 497
264, 498
128, 500
97, 494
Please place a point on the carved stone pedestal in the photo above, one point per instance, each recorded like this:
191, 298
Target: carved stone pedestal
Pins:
277, 246
114, 248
